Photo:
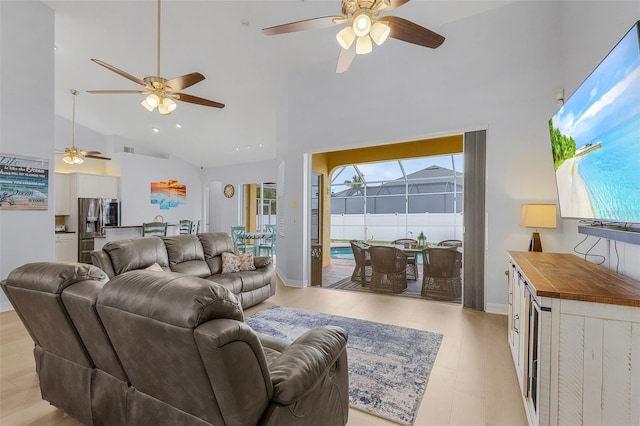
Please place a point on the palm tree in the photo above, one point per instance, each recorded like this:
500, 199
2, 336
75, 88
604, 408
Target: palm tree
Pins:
355, 182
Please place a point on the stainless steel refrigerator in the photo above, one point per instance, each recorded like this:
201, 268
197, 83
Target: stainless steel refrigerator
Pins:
93, 215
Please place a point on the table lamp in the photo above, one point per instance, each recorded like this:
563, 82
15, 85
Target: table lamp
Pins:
537, 216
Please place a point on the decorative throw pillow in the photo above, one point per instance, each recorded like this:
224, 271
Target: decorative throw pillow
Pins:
236, 263
154, 267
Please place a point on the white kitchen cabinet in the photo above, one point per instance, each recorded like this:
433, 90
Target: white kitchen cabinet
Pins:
95, 186
66, 248
574, 333
62, 189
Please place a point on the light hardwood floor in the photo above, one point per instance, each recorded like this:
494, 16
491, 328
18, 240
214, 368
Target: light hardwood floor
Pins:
473, 380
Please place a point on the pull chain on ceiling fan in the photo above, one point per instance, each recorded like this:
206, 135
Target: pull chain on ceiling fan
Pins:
160, 92
73, 155
364, 26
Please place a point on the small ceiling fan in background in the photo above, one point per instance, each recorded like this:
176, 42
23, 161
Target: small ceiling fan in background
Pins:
73, 155
160, 92
364, 26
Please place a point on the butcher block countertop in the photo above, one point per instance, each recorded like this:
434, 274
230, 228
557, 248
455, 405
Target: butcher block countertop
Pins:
566, 276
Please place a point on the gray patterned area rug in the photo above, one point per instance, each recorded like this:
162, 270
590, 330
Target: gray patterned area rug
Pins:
389, 366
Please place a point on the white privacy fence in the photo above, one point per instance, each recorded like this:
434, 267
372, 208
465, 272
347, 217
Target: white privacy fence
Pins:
389, 227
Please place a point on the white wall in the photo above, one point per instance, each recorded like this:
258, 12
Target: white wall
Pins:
26, 124
136, 174
225, 212
499, 70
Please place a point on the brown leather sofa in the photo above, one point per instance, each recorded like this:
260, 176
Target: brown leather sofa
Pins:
198, 255
151, 348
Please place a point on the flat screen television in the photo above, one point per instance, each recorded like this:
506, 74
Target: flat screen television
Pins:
595, 139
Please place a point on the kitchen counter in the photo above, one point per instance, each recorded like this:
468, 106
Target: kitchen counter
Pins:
65, 232
566, 276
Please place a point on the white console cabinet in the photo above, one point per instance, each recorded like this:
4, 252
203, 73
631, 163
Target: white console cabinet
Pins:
574, 333
95, 186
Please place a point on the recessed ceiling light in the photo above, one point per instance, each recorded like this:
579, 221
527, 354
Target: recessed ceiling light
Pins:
156, 130
245, 22
248, 147
260, 145
179, 126
237, 149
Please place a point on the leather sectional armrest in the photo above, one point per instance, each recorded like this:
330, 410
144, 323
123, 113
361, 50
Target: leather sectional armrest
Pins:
303, 364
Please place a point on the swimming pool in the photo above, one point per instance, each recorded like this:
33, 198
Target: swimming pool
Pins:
342, 252
345, 252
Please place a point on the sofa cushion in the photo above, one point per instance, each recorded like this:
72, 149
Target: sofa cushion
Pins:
237, 262
214, 244
137, 253
186, 255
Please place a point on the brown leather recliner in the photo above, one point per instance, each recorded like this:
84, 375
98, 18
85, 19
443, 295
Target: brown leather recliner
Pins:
166, 349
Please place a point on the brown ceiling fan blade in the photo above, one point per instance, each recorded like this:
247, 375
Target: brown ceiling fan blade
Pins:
90, 152
394, 4
184, 81
196, 100
404, 30
307, 24
97, 157
112, 92
119, 71
345, 59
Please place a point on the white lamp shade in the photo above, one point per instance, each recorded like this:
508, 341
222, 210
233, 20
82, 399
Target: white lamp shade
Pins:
169, 104
346, 37
538, 215
380, 32
361, 24
146, 105
78, 160
67, 159
162, 109
363, 45
153, 100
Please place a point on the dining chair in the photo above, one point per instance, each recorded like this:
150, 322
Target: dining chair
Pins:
237, 234
158, 229
442, 273
450, 243
388, 269
268, 243
195, 226
185, 226
362, 271
412, 261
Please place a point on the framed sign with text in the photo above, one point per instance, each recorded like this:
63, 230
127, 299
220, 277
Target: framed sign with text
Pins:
24, 182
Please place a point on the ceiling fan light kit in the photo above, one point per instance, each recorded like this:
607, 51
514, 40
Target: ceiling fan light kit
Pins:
363, 26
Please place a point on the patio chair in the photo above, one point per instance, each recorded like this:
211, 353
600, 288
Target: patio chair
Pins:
158, 229
441, 275
450, 243
362, 271
389, 269
412, 261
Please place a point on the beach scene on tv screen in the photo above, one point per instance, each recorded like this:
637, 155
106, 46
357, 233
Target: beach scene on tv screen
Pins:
595, 139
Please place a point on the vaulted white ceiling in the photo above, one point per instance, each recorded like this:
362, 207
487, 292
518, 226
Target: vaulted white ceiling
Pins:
244, 69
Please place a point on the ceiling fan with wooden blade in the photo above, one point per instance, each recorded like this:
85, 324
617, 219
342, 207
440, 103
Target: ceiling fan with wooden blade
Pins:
160, 92
364, 25
72, 154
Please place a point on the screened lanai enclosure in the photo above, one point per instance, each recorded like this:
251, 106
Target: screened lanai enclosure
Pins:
397, 199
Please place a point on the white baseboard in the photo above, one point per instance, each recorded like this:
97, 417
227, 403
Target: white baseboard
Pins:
497, 308
291, 283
